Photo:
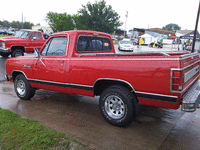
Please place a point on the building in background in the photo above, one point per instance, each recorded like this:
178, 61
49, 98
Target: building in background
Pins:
44, 29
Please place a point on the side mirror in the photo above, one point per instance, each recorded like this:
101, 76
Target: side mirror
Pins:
37, 55
34, 38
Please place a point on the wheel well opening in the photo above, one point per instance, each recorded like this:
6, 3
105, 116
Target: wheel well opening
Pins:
103, 84
14, 74
17, 47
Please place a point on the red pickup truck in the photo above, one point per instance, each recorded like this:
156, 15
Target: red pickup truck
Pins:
85, 63
23, 41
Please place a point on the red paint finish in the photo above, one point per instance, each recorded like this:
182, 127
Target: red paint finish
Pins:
153, 78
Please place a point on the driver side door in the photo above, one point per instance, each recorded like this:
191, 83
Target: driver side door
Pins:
49, 67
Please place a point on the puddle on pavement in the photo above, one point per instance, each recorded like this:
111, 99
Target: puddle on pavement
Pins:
145, 118
6, 89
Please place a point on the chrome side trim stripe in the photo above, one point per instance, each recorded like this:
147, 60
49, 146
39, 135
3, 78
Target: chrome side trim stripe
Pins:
180, 69
120, 59
65, 85
152, 96
166, 98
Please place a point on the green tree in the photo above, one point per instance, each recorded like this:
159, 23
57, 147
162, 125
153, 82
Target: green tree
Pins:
5, 23
172, 27
27, 25
78, 24
60, 21
16, 24
98, 17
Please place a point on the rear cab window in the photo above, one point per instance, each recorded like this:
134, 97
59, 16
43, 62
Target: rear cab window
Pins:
88, 44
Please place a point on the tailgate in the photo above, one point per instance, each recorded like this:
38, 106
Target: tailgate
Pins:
184, 80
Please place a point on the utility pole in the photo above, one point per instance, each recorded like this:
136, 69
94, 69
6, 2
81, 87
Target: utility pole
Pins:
195, 31
22, 21
125, 23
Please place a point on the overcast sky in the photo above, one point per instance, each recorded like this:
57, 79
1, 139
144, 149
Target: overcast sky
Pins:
141, 13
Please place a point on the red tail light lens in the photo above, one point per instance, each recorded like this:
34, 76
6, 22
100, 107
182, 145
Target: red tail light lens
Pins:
177, 81
177, 74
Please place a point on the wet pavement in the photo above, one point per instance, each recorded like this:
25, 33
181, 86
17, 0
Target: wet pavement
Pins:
2, 68
79, 117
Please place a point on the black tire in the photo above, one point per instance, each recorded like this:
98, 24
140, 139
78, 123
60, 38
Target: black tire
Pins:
118, 105
17, 53
22, 88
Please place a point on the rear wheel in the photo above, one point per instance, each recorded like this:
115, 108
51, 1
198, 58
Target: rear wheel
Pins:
118, 105
22, 88
17, 53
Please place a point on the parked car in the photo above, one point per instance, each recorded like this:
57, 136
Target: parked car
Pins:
2, 31
134, 41
125, 45
46, 36
9, 32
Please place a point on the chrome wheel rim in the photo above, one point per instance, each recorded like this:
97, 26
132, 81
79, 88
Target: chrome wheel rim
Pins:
21, 87
114, 107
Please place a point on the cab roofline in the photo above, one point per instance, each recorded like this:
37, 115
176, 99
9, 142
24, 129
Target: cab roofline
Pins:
79, 31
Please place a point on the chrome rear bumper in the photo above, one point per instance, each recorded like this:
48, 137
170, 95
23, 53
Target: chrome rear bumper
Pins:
191, 98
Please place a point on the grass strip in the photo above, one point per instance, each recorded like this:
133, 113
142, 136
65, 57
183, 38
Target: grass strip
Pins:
24, 134
1, 35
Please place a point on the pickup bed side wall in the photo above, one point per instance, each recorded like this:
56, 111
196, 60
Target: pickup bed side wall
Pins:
150, 78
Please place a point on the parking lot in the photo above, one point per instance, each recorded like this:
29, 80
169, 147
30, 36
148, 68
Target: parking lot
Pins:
79, 117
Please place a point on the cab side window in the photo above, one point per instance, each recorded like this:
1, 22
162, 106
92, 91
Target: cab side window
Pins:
93, 44
55, 47
37, 35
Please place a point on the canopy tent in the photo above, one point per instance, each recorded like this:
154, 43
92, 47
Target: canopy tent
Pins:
148, 38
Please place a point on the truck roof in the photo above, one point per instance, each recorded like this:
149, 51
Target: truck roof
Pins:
29, 30
88, 32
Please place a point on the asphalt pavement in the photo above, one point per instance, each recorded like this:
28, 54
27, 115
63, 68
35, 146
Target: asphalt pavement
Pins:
79, 117
2, 68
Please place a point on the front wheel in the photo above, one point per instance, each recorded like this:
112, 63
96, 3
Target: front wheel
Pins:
22, 88
17, 53
118, 105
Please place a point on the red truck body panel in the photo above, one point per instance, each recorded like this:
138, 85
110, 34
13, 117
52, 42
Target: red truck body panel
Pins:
149, 76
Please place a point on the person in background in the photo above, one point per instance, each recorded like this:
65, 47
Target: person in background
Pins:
141, 41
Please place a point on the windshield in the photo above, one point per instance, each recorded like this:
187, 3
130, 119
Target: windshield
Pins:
125, 42
23, 34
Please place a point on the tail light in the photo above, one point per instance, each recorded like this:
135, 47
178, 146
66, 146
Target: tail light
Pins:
177, 80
